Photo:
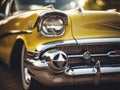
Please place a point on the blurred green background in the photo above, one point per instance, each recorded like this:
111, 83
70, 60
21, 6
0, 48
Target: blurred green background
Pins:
102, 4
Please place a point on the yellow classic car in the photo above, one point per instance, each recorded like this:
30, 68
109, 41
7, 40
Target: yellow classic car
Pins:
57, 42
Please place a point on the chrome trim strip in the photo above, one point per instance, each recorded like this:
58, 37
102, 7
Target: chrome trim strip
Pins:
54, 44
15, 32
110, 69
81, 71
111, 53
96, 55
87, 71
90, 41
98, 40
93, 55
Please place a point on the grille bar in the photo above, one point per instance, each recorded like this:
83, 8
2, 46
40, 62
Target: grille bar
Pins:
98, 51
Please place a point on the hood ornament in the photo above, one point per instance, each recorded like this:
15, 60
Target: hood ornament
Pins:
80, 8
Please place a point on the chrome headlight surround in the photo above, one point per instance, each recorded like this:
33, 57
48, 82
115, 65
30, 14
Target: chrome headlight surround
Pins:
52, 24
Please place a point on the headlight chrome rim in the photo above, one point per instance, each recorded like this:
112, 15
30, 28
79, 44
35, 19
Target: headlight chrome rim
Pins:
55, 28
51, 29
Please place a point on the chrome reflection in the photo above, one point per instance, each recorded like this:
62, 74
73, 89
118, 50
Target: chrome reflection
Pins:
91, 41
50, 61
68, 74
115, 53
57, 60
27, 76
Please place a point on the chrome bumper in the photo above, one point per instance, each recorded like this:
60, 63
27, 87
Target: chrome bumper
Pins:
41, 70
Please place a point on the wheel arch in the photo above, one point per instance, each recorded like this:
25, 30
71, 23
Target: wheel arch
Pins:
16, 54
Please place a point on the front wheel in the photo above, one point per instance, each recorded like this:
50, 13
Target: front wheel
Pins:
25, 76
19, 55
28, 83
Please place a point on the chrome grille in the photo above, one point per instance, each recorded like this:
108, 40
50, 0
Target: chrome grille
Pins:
93, 49
103, 48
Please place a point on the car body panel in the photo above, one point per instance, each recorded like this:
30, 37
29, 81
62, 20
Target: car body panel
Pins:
92, 25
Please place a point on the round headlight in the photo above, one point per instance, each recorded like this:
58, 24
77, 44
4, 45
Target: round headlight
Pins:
52, 27
52, 24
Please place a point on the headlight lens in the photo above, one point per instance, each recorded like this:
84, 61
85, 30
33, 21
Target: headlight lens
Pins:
52, 24
52, 27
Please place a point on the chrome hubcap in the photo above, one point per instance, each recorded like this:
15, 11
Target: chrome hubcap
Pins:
27, 76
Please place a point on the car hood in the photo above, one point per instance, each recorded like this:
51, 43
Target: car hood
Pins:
95, 24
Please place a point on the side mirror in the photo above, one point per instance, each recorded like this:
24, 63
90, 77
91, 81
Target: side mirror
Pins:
2, 16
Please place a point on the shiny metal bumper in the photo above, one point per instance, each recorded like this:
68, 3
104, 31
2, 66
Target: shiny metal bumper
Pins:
40, 70
46, 76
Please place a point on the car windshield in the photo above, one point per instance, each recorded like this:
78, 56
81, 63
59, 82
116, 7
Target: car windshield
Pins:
37, 4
